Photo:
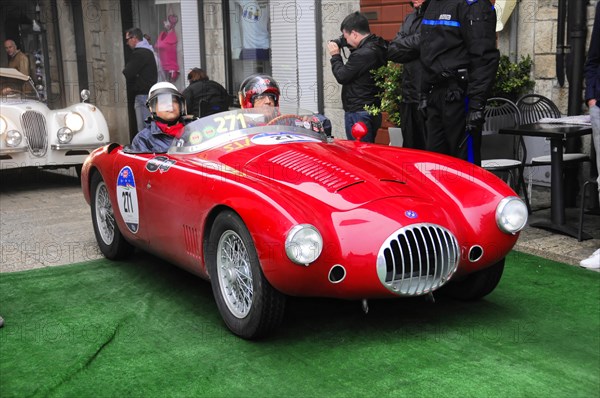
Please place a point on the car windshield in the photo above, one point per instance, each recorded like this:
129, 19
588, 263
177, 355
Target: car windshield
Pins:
265, 125
17, 88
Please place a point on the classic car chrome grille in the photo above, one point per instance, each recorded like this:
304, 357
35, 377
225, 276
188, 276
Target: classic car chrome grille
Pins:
34, 127
417, 259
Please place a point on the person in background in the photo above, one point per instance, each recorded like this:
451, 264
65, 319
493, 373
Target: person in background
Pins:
592, 98
405, 49
204, 97
368, 52
140, 73
167, 111
459, 59
16, 58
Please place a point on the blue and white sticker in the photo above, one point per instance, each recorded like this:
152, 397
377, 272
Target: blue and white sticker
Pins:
280, 138
411, 214
127, 199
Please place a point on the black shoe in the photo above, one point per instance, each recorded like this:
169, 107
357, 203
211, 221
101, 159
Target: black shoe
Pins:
1, 321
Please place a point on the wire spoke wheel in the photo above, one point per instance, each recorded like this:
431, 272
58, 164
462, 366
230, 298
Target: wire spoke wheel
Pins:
111, 242
235, 274
250, 307
105, 217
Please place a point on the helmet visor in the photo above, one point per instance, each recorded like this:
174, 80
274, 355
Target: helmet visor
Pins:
165, 102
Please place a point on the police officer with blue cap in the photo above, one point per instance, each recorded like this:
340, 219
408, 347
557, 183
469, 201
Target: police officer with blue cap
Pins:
460, 60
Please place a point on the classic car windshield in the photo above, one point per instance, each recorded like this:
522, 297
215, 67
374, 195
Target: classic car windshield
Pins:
17, 88
279, 125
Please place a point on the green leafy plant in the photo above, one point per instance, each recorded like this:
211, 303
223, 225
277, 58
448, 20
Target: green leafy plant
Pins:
388, 78
513, 79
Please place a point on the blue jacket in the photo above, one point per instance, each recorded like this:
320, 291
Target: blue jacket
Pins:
151, 139
592, 64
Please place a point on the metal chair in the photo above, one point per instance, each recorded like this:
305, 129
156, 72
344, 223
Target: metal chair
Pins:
503, 153
593, 184
534, 107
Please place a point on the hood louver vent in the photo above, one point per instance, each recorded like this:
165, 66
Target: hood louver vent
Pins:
329, 175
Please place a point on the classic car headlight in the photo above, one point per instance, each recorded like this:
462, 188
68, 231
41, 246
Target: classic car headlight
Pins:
74, 121
13, 138
3, 125
511, 214
303, 244
64, 135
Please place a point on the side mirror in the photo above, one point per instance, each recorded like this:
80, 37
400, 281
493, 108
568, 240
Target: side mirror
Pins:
85, 95
359, 130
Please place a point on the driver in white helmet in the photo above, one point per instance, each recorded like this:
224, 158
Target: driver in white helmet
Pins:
167, 119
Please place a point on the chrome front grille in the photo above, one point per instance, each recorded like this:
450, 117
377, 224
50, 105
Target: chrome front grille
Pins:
417, 259
34, 127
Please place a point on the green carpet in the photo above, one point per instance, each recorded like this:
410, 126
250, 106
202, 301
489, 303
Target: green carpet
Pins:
144, 328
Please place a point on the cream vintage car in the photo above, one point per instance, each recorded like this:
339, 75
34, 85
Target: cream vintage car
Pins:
32, 135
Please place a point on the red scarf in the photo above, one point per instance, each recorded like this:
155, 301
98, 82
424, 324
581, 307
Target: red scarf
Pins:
174, 131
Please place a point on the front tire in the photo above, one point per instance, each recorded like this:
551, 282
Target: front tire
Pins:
110, 240
476, 285
249, 305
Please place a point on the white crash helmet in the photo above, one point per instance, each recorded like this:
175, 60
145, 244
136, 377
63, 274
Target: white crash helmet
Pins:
163, 94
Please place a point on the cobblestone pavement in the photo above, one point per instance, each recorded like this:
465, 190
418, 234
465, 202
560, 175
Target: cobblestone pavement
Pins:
44, 221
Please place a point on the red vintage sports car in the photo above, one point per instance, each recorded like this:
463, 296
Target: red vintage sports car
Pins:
266, 206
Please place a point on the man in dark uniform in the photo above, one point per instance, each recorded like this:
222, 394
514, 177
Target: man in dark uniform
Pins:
405, 49
460, 60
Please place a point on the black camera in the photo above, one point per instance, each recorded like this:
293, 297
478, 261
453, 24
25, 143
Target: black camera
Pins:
340, 41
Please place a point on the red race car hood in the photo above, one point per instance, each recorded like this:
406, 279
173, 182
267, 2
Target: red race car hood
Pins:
331, 173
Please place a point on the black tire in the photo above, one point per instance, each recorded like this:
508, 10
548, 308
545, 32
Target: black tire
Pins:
110, 240
249, 305
476, 285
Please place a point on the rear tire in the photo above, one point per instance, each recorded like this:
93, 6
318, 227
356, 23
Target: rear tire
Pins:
110, 240
249, 305
476, 285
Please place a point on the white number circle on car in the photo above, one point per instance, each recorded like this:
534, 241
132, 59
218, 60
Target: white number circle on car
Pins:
127, 198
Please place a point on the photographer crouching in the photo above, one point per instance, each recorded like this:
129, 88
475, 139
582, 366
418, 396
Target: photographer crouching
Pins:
367, 52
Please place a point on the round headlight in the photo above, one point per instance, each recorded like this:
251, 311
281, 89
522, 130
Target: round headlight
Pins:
3, 125
13, 138
511, 214
64, 135
303, 244
74, 121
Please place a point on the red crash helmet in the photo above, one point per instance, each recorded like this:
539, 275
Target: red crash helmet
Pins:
256, 85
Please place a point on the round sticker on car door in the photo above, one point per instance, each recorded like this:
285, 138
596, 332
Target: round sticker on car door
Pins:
127, 199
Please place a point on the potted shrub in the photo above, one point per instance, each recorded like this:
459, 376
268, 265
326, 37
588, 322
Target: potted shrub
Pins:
513, 79
389, 78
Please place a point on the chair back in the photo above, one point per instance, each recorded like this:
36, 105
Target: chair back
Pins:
501, 113
534, 107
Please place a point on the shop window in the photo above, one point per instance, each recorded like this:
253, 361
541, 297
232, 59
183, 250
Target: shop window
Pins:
250, 39
161, 25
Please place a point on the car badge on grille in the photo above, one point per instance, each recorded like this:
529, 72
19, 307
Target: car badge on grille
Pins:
411, 214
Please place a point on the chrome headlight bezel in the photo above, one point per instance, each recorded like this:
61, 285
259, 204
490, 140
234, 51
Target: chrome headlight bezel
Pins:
74, 121
64, 135
511, 215
303, 244
13, 138
3, 125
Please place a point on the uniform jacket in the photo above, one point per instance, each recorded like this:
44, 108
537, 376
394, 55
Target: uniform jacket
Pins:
358, 85
592, 64
405, 49
151, 139
460, 34
140, 71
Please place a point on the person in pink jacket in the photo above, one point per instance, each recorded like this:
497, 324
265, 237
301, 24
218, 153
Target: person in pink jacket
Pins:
166, 46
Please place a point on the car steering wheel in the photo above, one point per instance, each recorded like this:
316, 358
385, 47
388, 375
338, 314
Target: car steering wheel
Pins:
284, 116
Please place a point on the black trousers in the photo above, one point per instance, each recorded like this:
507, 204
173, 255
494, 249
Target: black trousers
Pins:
446, 123
413, 127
